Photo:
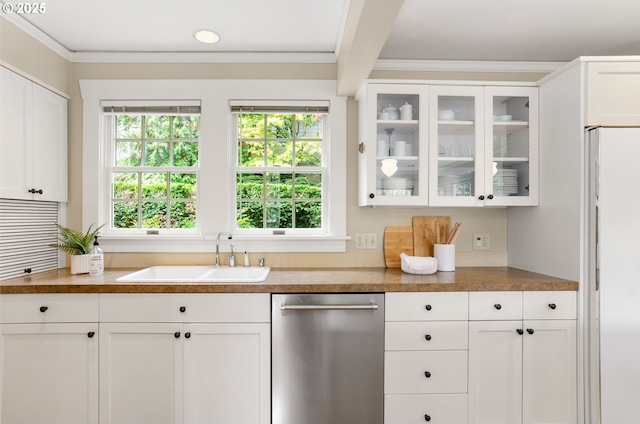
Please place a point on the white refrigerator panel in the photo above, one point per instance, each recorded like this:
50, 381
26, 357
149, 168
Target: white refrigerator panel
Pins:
619, 253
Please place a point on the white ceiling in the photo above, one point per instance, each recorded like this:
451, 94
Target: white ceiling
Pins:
356, 34
504, 30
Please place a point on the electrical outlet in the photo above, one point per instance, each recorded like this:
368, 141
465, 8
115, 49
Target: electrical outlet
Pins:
481, 241
367, 241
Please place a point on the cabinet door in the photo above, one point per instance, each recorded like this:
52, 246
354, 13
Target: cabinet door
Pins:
393, 148
49, 151
549, 372
141, 373
511, 149
456, 148
613, 89
227, 373
15, 135
495, 372
49, 373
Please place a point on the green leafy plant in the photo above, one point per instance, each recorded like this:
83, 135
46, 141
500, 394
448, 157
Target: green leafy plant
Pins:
75, 242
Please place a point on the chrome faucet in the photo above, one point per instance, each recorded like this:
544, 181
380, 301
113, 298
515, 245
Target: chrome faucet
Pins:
217, 265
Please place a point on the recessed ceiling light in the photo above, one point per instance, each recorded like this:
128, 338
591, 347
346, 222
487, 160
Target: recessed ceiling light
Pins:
206, 36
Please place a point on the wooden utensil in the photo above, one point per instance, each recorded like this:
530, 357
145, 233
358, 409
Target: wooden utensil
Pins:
423, 239
397, 240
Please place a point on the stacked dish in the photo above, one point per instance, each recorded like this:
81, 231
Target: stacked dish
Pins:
396, 186
505, 182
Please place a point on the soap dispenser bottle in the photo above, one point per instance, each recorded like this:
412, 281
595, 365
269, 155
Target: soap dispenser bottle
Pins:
96, 260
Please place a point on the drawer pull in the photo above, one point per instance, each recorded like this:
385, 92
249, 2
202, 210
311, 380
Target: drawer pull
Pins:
90, 334
427, 337
43, 309
530, 330
427, 374
427, 417
519, 330
183, 309
176, 334
187, 335
552, 305
427, 307
497, 306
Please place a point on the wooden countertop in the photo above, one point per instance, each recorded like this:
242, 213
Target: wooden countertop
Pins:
301, 280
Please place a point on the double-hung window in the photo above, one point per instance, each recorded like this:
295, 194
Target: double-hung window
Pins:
280, 168
170, 164
153, 153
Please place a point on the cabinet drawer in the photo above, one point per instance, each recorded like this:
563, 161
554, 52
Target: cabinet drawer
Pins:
426, 306
549, 305
414, 409
495, 306
219, 307
425, 372
32, 308
429, 335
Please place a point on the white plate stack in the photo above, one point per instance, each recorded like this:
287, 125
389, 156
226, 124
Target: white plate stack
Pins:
505, 182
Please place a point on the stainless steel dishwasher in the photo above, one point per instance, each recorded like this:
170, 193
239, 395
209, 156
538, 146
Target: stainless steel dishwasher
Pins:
327, 358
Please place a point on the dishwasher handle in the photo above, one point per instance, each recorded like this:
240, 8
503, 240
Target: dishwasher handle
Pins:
367, 307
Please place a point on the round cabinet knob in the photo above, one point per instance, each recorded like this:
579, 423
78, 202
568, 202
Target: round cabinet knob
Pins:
90, 334
552, 305
530, 330
481, 197
371, 195
187, 335
427, 307
176, 334
427, 337
427, 374
183, 309
427, 418
490, 196
44, 308
520, 331
497, 306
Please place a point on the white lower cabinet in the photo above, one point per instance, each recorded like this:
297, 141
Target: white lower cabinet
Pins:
426, 340
49, 359
185, 372
522, 370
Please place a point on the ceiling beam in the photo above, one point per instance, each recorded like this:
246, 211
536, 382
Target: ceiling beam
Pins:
366, 29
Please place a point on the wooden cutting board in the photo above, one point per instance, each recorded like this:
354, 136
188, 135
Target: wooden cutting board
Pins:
396, 241
422, 239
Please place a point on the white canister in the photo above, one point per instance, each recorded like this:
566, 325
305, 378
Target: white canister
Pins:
393, 112
406, 112
446, 256
383, 148
400, 148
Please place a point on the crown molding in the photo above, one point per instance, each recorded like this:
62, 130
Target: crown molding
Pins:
465, 65
202, 57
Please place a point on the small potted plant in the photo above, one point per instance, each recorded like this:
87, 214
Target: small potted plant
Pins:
78, 245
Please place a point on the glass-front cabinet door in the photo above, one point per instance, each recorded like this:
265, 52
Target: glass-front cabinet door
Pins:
392, 145
456, 146
511, 146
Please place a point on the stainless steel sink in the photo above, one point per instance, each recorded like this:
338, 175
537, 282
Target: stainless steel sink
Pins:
197, 274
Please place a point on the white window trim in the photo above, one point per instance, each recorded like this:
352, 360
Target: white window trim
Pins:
324, 169
215, 130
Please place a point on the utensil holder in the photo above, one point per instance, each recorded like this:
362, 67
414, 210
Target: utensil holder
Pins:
446, 256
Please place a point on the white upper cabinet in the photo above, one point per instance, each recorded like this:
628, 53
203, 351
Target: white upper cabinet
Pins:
511, 146
33, 138
456, 148
447, 145
613, 89
392, 162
